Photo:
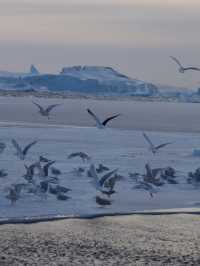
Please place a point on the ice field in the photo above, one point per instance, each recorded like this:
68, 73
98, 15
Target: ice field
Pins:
125, 150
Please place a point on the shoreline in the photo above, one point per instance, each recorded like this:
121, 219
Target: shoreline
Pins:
156, 212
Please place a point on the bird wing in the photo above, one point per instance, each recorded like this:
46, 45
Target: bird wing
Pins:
156, 171
162, 145
148, 139
46, 167
110, 183
176, 60
192, 68
106, 177
74, 154
94, 176
84, 155
97, 120
28, 147
17, 147
148, 170
110, 118
39, 106
50, 107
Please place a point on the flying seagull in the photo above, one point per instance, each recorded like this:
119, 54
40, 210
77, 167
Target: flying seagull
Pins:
82, 155
21, 153
152, 147
100, 124
45, 111
99, 182
181, 68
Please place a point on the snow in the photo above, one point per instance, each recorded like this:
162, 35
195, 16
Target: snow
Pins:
82, 79
93, 72
122, 149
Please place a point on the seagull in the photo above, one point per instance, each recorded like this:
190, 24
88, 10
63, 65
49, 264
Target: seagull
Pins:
45, 112
79, 171
97, 182
58, 189
14, 192
101, 168
55, 171
30, 171
110, 184
100, 124
2, 147
3, 173
152, 175
102, 202
43, 159
181, 68
62, 196
152, 147
146, 186
82, 155
44, 171
21, 153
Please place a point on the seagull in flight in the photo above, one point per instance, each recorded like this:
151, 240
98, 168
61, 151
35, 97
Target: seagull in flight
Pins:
45, 111
182, 69
82, 155
152, 147
100, 124
21, 153
99, 182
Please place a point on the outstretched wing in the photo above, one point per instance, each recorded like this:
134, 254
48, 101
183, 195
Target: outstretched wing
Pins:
74, 154
28, 147
192, 68
176, 60
162, 145
50, 107
106, 177
17, 147
110, 118
148, 139
39, 106
95, 179
46, 168
110, 183
97, 120
148, 170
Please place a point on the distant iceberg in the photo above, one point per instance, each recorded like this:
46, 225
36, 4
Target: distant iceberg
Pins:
95, 80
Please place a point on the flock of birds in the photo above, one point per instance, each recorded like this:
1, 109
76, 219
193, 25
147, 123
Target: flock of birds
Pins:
41, 177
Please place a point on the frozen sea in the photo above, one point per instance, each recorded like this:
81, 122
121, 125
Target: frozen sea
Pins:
122, 149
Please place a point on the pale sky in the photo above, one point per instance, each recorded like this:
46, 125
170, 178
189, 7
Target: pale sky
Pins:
134, 36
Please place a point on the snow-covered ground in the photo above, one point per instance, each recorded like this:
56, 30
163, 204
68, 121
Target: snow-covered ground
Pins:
116, 148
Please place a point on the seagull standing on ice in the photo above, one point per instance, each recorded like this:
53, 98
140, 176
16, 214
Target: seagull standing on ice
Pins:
181, 68
100, 124
152, 147
46, 111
